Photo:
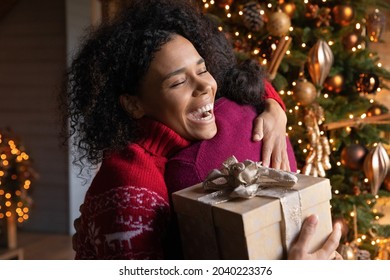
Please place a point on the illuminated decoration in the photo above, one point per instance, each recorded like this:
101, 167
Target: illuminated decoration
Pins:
16, 177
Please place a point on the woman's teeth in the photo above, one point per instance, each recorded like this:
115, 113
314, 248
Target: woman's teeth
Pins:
204, 113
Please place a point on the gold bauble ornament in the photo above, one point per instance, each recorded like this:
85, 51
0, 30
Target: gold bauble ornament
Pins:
347, 252
279, 24
319, 62
304, 92
288, 9
376, 166
343, 14
335, 83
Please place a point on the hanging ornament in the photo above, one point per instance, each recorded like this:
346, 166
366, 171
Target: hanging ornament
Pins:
288, 9
279, 24
223, 3
347, 252
353, 156
304, 92
311, 11
323, 17
351, 40
376, 166
375, 25
253, 17
319, 62
334, 84
317, 161
343, 14
367, 83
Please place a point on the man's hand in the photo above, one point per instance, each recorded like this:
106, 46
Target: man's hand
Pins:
299, 250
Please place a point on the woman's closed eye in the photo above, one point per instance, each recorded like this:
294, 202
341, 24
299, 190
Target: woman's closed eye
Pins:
178, 83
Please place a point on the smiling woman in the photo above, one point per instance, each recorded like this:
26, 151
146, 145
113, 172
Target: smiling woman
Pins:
140, 89
178, 91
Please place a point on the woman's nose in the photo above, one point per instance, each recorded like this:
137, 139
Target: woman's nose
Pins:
202, 87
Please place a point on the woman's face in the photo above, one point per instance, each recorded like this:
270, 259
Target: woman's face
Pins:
178, 91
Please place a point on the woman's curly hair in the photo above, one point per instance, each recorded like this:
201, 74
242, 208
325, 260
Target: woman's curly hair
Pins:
113, 60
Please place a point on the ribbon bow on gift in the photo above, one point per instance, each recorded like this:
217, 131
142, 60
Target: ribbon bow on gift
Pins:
243, 179
248, 179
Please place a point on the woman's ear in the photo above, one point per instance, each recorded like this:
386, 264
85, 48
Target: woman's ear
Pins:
132, 105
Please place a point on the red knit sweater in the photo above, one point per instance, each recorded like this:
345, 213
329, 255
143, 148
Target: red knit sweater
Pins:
126, 209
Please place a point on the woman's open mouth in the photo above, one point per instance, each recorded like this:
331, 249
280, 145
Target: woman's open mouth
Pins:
204, 113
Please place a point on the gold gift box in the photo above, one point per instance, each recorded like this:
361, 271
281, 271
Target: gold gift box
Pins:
247, 228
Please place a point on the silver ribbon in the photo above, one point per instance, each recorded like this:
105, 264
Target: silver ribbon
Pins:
249, 179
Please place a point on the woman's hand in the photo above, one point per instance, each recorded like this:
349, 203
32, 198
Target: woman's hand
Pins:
300, 251
270, 126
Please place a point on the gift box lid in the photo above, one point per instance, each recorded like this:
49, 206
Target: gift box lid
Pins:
249, 214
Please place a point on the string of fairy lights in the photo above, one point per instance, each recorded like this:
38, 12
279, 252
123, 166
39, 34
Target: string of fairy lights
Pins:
367, 84
15, 180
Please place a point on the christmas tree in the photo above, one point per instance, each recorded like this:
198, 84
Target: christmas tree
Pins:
16, 176
317, 54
